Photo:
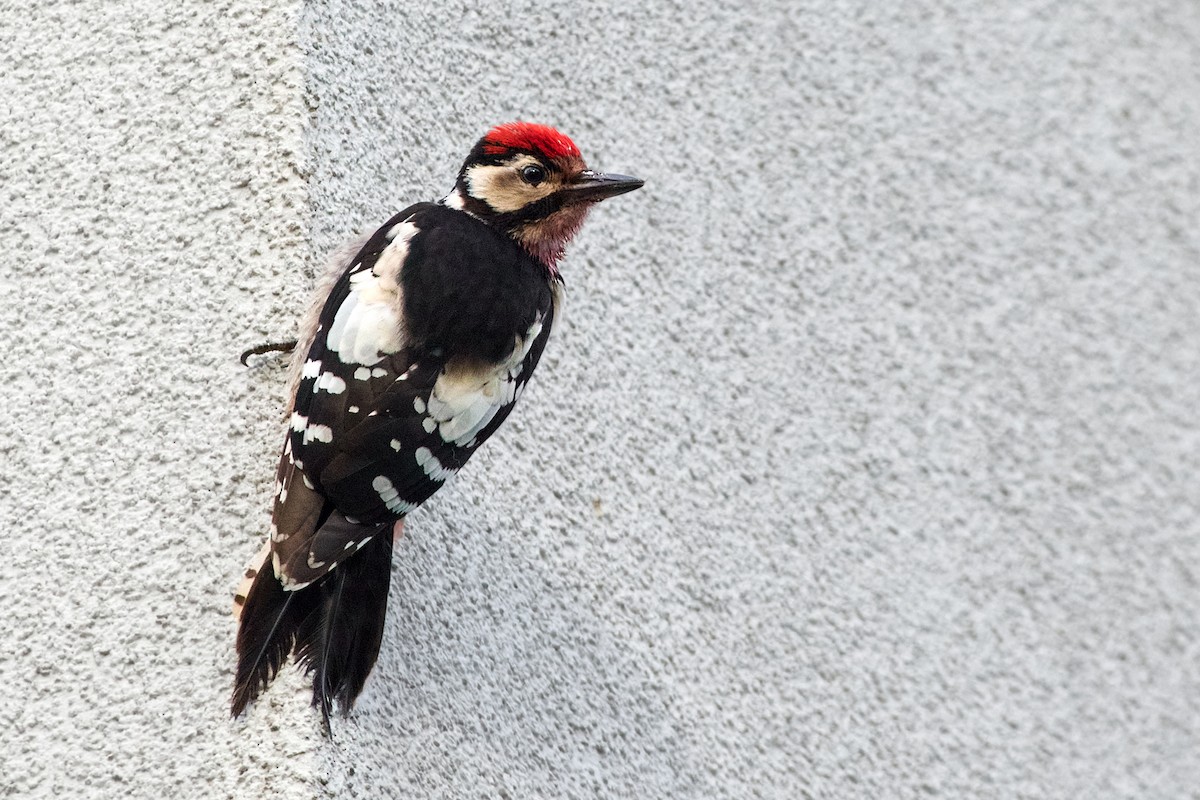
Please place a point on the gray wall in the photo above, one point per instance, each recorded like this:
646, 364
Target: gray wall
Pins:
863, 466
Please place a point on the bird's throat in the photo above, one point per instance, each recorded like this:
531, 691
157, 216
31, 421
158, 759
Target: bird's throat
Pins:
547, 239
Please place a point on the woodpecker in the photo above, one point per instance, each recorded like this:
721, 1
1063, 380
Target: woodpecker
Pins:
415, 350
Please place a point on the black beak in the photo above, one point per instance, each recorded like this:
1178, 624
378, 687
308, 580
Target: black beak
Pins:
596, 186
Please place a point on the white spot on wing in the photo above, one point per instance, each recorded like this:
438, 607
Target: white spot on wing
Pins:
384, 487
311, 369
390, 496
362, 374
419, 405
318, 433
330, 383
395, 445
299, 423
433, 468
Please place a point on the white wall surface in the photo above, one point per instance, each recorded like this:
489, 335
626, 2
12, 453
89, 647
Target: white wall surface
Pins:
150, 193
863, 466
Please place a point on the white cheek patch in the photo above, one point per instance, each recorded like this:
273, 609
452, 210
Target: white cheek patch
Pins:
501, 188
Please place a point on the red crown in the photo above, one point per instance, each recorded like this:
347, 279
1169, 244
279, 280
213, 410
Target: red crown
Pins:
540, 139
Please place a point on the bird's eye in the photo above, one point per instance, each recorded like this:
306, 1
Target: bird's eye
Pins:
533, 175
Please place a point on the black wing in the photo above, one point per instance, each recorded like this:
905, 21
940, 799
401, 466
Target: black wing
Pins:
423, 347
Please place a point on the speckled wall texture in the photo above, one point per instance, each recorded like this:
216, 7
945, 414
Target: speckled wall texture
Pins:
863, 466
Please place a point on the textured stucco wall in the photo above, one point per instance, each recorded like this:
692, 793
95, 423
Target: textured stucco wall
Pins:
149, 190
863, 466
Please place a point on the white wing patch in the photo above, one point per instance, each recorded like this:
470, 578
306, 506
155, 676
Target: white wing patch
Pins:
367, 324
433, 468
318, 433
464, 402
390, 495
329, 382
366, 327
465, 399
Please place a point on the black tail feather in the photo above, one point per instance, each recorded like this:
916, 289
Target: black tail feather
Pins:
269, 621
339, 643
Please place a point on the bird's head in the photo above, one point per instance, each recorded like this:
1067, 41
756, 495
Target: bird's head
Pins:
530, 181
